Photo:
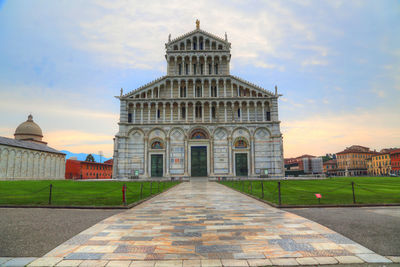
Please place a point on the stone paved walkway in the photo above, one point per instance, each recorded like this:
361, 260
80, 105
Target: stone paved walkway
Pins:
207, 224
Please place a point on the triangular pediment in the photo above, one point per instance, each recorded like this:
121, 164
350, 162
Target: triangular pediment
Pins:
197, 33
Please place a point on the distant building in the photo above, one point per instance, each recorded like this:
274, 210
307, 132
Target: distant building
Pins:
76, 169
353, 160
330, 167
313, 165
305, 164
28, 156
395, 161
381, 164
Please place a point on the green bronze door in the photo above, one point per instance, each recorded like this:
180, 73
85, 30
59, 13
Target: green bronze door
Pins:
241, 164
156, 165
199, 161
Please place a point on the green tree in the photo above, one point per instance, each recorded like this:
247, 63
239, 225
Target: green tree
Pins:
90, 158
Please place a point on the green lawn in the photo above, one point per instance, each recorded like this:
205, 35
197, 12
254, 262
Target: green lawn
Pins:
76, 193
368, 190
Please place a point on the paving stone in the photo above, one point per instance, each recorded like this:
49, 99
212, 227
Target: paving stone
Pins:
307, 261
18, 262
4, 259
84, 256
69, 263
205, 221
47, 261
326, 260
119, 263
395, 259
284, 261
349, 259
142, 264
259, 262
211, 263
172, 263
231, 263
93, 263
191, 263
246, 256
373, 258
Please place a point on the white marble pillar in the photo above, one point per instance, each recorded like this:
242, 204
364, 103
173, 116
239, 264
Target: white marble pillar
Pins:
225, 115
255, 112
263, 112
202, 112
248, 111
134, 114
171, 110
186, 111
224, 87
145, 156
186, 173
211, 156
141, 113
230, 155
167, 140
148, 112
194, 112
231, 89
210, 108
163, 113
252, 155
179, 111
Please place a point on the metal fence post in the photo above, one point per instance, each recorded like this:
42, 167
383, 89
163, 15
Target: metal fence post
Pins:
51, 189
262, 190
251, 187
158, 187
354, 195
141, 190
124, 194
279, 193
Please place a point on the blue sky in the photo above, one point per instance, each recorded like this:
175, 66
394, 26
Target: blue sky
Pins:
337, 64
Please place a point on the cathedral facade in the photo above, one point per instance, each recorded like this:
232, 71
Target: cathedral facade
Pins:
198, 120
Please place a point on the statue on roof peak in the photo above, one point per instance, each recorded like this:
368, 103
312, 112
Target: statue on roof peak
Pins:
197, 24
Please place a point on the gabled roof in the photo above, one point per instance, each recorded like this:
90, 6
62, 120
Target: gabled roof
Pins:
181, 37
256, 87
28, 145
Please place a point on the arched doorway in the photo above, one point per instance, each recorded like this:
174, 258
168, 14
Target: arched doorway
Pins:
198, 153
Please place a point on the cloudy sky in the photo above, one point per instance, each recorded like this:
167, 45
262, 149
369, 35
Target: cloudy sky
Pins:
337, 64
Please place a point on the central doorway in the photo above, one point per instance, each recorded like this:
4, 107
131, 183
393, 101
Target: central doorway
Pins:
198, 161
156, 165
241, 164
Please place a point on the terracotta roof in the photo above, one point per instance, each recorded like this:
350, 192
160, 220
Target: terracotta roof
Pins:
28, 145
356, 149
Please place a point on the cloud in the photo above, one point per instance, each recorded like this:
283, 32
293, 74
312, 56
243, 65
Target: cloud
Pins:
314, 62
131, 33
379, 92
321, 134
80, 142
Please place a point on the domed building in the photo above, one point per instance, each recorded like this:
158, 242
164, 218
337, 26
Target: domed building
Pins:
28, 156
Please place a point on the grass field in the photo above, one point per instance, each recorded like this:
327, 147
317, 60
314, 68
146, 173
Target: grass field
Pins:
368, 190
76, 193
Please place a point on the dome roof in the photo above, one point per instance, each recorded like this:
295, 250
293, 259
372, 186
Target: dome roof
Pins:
28, 130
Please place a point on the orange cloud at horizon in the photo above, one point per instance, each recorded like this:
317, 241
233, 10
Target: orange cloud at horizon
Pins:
319, 135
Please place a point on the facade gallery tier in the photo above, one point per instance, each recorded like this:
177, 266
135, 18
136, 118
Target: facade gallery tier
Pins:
198, 120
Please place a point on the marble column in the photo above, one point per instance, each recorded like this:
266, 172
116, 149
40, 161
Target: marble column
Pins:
171, 110
202, 112
186, 112
163, 113
230, 162
168, 153
211, 156
252, 161
263, 112
145, 156
141, 113
186, 173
